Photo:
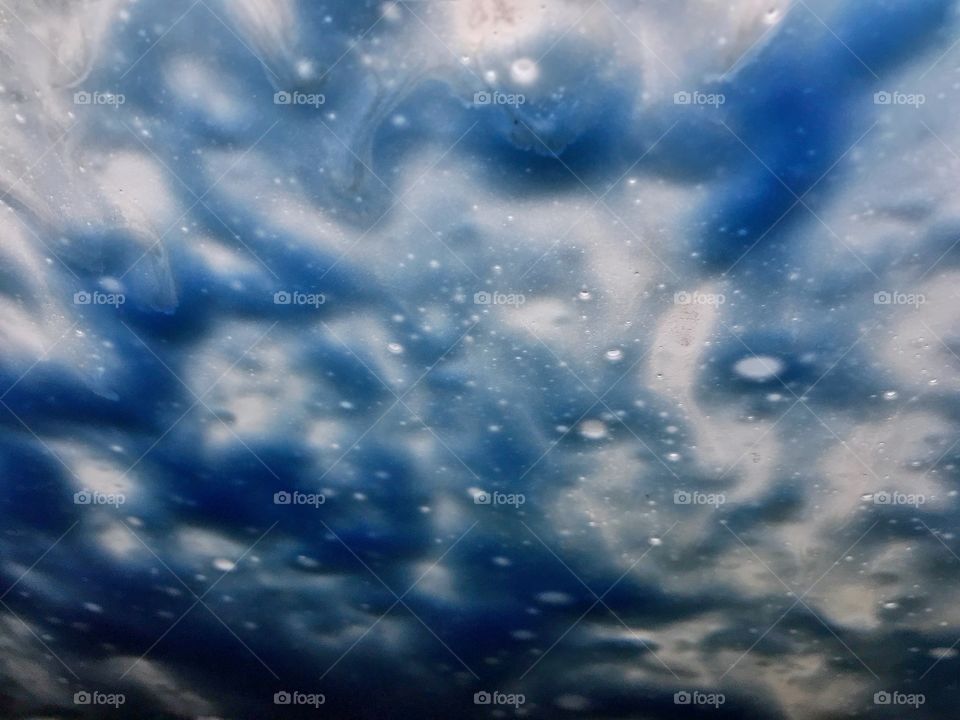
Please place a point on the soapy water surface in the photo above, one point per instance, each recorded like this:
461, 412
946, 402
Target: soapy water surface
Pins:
479, 358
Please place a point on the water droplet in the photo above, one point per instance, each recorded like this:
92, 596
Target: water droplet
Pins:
890, 395
593, 429
524, 71
758, 368
655, 541
614, 355
394, 348
584, 294
772, 16
224, 565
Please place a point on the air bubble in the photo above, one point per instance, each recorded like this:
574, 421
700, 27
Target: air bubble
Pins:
758, 367
593, 429
524, 71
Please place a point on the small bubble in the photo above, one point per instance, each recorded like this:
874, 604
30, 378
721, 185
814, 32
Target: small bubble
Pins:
584, 294
593, 429
758, 368
614, 355
890, 395
224, 565
673, 457
394, 348
655, 541
524, 71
